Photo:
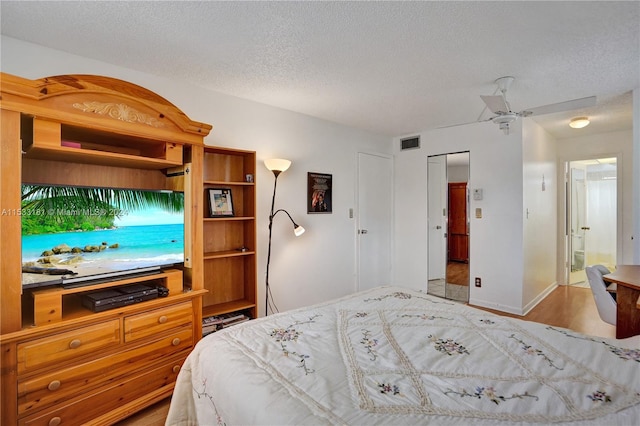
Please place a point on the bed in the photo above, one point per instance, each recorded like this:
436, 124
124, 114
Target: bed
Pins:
393, 356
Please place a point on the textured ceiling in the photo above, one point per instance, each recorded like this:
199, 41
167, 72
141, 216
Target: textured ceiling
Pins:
388, 67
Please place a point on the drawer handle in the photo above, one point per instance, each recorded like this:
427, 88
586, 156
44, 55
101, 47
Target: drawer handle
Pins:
55, 421
176, 369
176, 341
54, 385
162, 319
75, 343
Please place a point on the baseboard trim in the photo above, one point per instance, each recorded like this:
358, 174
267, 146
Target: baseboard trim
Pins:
512, 309
495, 306
529, 306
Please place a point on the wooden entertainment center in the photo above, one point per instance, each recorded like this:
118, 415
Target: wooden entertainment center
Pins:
62, 363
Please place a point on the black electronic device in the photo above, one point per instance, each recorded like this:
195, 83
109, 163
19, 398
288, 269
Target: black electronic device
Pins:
102, 300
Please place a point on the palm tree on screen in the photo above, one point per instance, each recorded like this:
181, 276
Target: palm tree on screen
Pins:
60, 197
62, 208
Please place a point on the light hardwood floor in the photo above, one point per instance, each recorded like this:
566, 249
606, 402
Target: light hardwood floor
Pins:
458, 273
568, 307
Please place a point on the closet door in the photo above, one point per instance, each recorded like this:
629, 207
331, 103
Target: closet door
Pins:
374, 220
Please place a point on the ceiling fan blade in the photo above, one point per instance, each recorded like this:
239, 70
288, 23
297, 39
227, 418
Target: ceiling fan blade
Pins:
462, 124
495, 103
560, 106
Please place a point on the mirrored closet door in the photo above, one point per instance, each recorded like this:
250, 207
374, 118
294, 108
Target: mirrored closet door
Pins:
448, 225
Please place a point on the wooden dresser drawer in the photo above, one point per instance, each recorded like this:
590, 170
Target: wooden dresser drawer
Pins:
156, 321
53, 387
65, 346
88, 406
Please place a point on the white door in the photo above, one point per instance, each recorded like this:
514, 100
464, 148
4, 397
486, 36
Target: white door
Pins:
436, 212
374, 220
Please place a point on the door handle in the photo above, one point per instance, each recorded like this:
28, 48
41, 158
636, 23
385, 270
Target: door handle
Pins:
362, 231
585, 228
438, 227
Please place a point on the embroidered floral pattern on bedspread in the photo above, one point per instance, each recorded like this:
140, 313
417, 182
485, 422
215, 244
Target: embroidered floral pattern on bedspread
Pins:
388, 350
599, 396
425, 317
401, 356
448, 346
490, 393
402, 295
387, 388
623, 353
369, 343
290, 334
206, 395
528, 349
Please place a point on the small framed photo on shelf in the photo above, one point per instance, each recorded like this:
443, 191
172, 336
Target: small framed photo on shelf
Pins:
220, 202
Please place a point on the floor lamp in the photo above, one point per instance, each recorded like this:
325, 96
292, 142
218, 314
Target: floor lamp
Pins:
277, 166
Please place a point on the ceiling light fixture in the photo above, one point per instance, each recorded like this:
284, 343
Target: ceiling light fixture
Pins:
579, 122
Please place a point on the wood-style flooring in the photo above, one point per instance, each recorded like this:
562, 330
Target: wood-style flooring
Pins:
458, 273
568, 307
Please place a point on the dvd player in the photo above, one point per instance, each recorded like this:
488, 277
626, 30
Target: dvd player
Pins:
102, 300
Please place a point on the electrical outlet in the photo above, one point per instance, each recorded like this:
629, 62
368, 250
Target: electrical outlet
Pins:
478, 282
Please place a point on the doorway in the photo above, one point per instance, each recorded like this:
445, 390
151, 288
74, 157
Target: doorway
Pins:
448, 225
374, 220
592, 199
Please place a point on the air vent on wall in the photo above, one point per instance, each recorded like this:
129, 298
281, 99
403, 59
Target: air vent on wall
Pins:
410, 143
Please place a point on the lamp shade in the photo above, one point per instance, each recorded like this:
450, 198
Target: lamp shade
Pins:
298, 230
579, 122
277, 164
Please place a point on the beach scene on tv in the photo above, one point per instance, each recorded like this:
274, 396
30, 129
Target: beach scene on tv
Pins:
76, 233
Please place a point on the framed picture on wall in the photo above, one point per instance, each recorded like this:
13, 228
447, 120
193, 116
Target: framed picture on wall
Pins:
319, 192
220, 202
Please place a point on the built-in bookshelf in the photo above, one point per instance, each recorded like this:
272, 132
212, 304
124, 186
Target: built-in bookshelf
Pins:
214, 323
229, 240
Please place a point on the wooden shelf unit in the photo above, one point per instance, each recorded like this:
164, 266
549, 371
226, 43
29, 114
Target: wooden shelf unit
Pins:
54, 304
229, 243
45, 139
63, 363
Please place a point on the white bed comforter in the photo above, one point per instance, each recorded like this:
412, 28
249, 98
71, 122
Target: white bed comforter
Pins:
396, 356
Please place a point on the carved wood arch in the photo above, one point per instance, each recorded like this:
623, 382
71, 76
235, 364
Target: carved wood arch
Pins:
102, 102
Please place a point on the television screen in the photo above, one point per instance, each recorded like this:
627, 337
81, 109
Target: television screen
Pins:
76, 236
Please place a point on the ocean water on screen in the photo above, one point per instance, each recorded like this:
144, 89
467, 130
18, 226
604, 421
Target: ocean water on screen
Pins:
138, 246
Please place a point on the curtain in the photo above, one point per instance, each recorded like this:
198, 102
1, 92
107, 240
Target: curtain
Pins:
601, 218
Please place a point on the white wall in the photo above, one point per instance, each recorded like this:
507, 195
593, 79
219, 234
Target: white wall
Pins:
315, 267
496, 240
612, 144
519, 258
540, 213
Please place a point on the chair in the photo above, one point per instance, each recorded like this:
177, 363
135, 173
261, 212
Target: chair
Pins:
605, 303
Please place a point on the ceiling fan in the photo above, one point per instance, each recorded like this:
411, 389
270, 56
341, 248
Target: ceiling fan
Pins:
504, 116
